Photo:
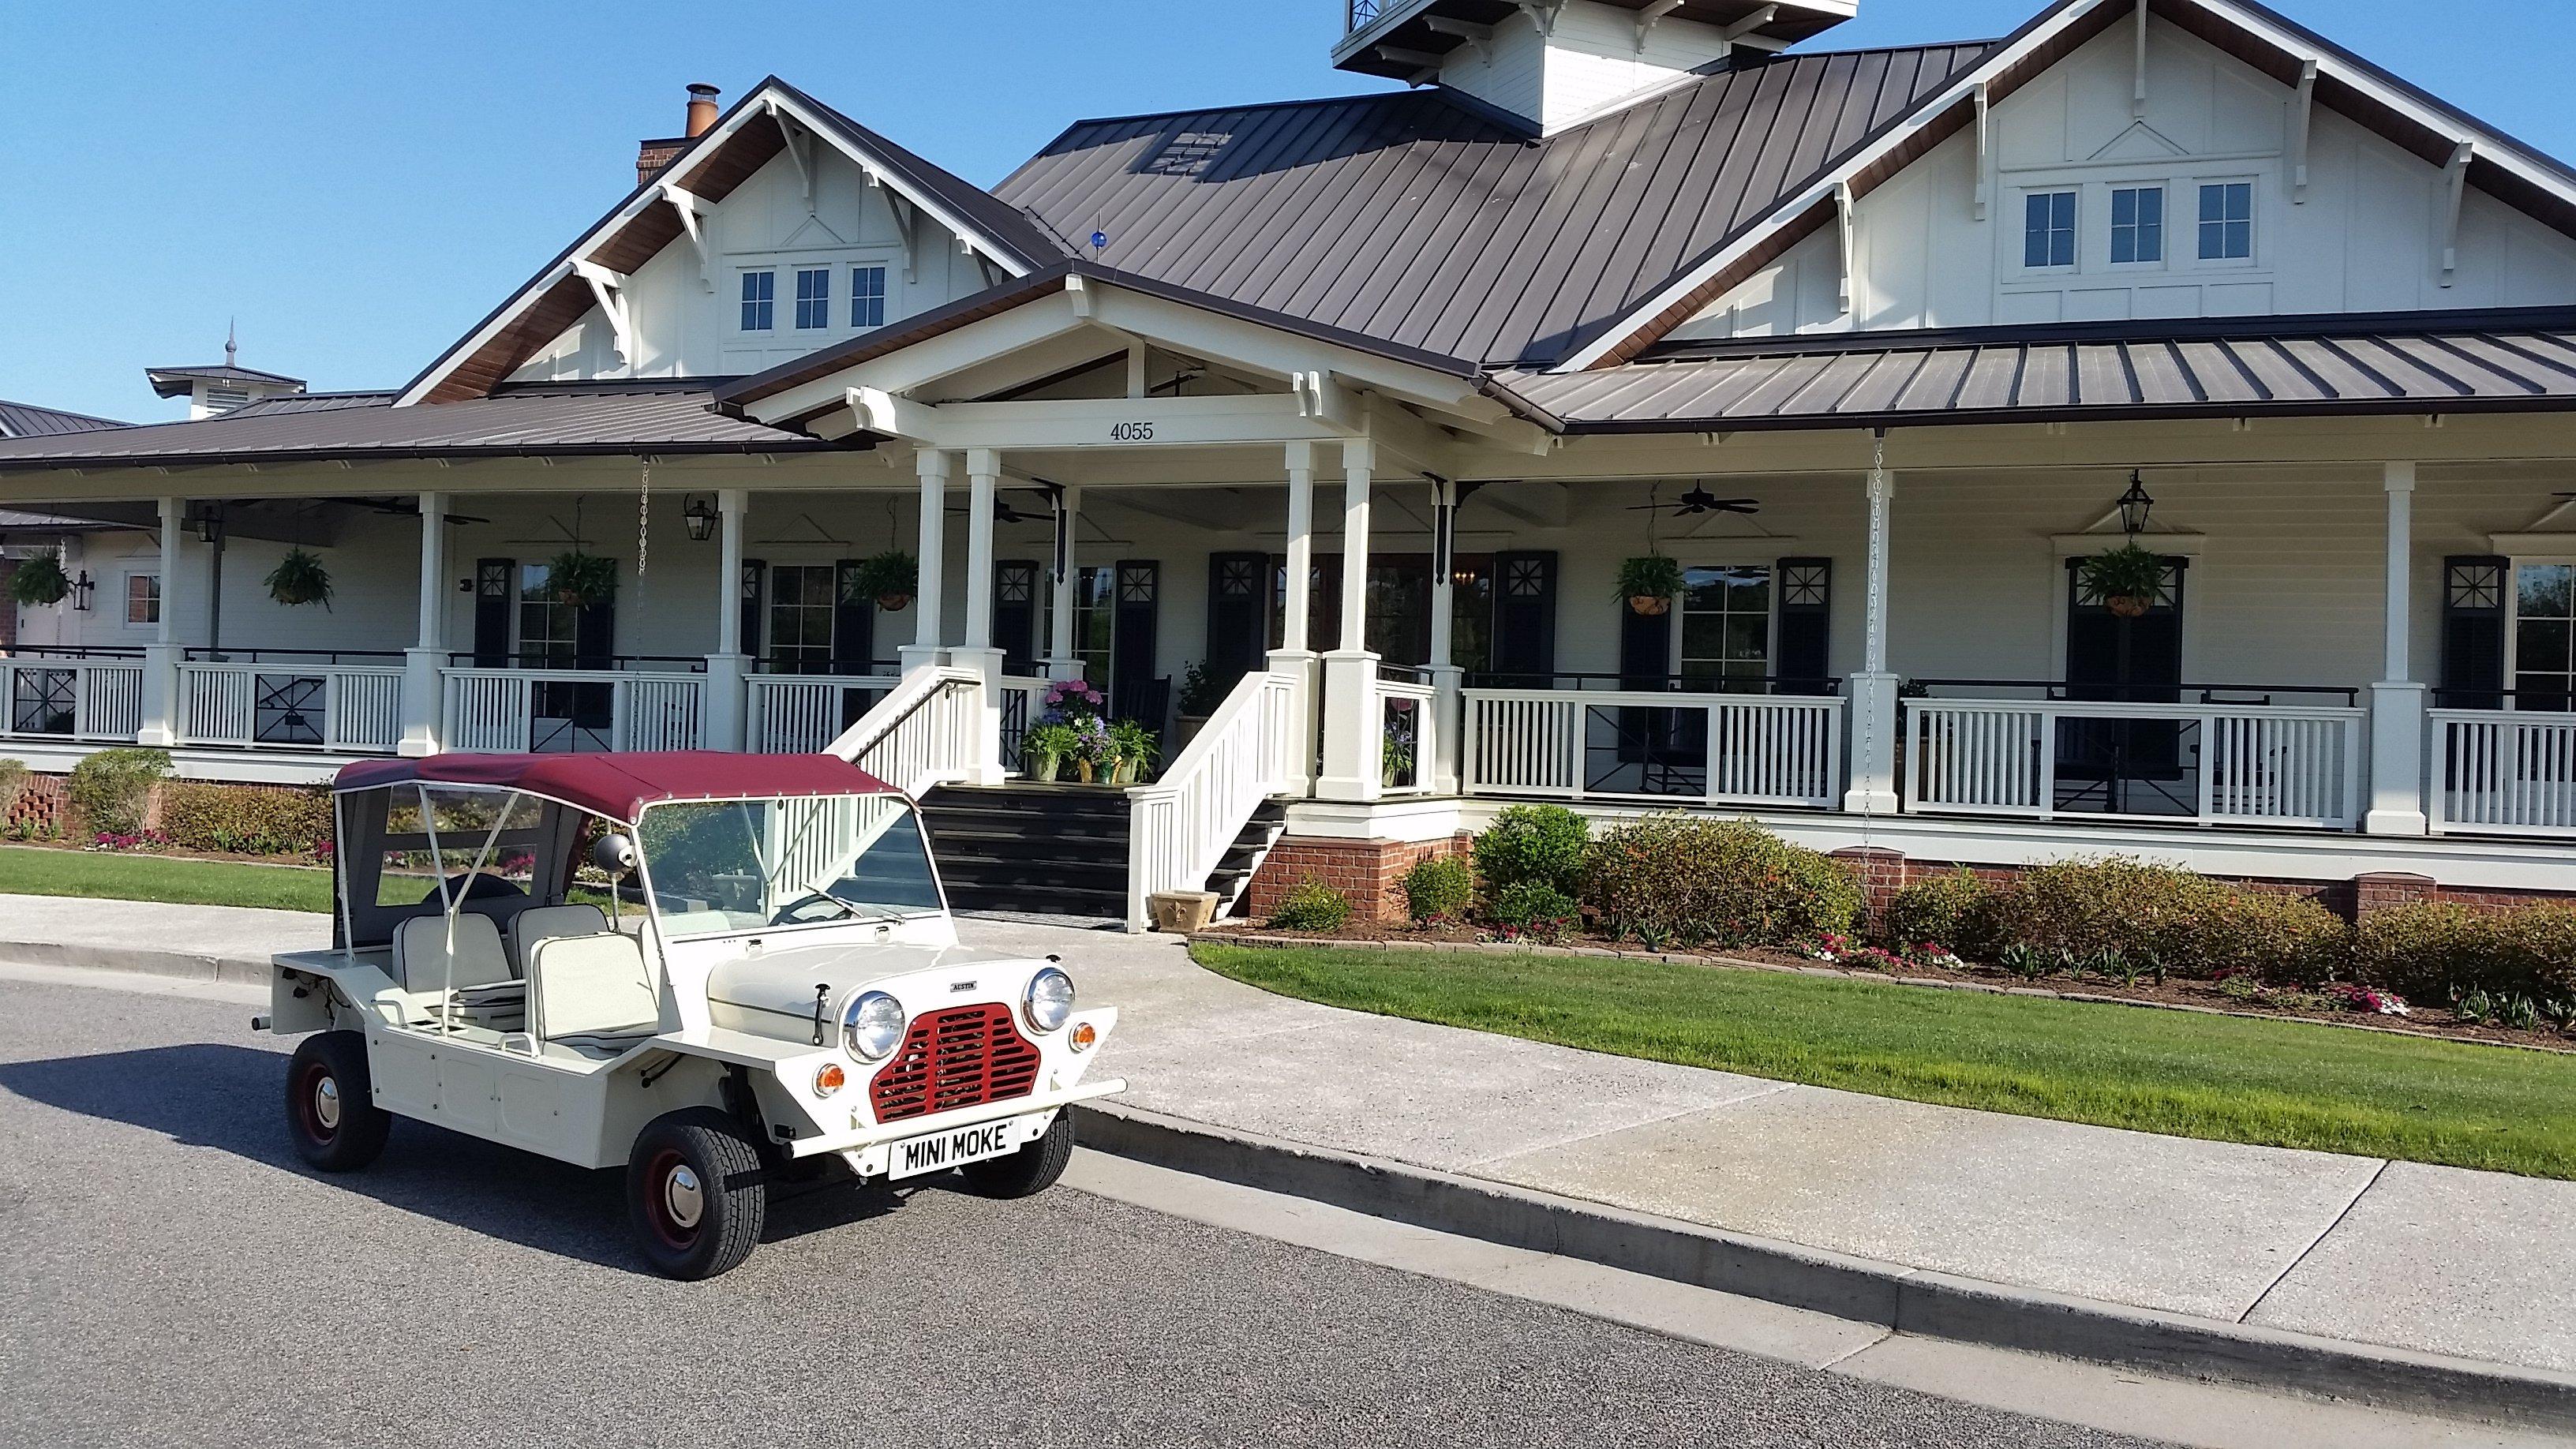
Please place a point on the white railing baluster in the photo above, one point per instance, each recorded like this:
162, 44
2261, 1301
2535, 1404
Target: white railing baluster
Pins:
2502, 772
1760, 749
1180, 826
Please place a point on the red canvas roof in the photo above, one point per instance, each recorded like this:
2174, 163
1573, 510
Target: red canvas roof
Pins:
620, 786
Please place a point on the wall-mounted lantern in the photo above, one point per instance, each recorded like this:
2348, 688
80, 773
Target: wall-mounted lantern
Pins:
82, 588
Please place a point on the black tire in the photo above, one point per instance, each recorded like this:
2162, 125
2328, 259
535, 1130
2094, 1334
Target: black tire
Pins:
331, 1106
1031, 1170
696, 1193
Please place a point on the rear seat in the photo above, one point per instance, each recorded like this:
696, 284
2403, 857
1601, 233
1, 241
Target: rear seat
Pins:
480, 989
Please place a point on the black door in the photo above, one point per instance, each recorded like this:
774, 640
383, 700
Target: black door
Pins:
2123, 765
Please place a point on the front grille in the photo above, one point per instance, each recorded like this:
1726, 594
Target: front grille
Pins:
963, 1057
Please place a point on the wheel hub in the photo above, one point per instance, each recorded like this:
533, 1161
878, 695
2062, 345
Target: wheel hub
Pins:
683, 1197
326, 1103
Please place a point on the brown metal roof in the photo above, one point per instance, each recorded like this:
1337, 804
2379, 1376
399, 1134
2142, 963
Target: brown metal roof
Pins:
520, 421
26, 420
1434, 221
2409, 363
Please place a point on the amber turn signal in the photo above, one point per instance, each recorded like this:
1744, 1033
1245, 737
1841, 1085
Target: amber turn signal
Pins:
1084, 1035
830, 1079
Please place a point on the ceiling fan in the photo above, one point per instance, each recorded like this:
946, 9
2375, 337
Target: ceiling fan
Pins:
1699, 501
401, 507
1005, 513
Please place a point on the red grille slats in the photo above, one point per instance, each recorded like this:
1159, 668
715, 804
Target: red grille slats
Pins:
964, 1056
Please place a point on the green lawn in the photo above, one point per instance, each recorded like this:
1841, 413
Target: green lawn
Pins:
2283, 1084
29, 871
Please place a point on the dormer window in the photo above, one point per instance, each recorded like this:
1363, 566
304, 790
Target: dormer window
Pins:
2048, 230
2227, 221
2137, 224
759, 300
867, 297
813, 298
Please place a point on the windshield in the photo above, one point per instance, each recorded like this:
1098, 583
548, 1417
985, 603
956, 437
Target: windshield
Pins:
745, 865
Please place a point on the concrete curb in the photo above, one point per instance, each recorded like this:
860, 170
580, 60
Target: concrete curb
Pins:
187, 965
1902, 1299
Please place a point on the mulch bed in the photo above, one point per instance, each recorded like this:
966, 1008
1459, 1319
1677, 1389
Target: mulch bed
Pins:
2433, 1021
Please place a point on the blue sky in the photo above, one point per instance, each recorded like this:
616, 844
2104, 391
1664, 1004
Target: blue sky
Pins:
358, 183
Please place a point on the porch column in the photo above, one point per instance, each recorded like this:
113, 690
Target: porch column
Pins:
1354, 744
728, 706
1295, 656
1874, 710
1447, 713
984, 480
2397, 762
160, 721
423, 663
1062, 662
924, 650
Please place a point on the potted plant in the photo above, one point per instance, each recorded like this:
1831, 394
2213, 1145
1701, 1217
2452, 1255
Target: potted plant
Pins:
40, 580
1199, 698
299, 579
1650, 583
2127, 580
1045, 749
1396, 752
890, 578
581, 579
1093, 747
1071, 699
1134, 752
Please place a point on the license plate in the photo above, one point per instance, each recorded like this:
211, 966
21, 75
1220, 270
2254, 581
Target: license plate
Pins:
914, 1156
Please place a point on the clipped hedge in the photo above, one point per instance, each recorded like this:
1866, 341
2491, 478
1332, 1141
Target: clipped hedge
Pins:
1955, 909
1545, 845
112, 789
247, 819
1725, 881
2184, 923
2424, 952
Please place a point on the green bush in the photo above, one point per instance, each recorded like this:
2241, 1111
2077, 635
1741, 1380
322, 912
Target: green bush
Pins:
113, 788
2425, 952
2179, 922
1533, 845
1311, 905
248, 819
1538, 909
1438, 888
1727, 881
1955, 909
13, 778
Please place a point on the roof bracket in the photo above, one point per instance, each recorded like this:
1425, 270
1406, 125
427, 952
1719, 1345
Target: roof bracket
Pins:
1843, 219
1479, 36
2457, 179
609, 290
2138, 102
906, 217
1542, 13
1654, 11
1426, 65
693, 211
1750, 24
2300, 115
1985, 152
800, 149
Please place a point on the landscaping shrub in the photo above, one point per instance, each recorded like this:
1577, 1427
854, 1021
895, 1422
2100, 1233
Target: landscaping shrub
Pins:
2284, 940
1438, 889
1954, 909
2173, 920
1311, 905
2425, 952
1728, 881
251, 821
1533, 845
113, 788
13, 778
1533, 909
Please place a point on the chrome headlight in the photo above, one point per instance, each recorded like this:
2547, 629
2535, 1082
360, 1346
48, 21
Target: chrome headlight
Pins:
1050, 999
872, 1026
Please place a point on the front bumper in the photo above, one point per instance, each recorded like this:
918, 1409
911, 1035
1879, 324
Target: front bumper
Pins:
851, 1131
867, 1156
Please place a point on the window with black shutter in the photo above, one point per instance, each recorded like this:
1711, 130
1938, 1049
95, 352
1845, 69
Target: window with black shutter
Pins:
854, 621
1803, 656
1236, 614
753, 575
1015, 614
1523, 653
1132, 642
495, 591
2473, 631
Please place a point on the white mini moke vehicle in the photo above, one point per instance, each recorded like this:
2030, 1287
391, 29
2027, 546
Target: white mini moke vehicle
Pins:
760, 975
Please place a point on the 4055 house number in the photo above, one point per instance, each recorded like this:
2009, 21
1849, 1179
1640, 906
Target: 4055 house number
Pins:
1138, 432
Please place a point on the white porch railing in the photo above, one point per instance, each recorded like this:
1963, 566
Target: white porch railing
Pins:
1409, 735
348, 708
1704, 749
99, 700
802, 714
2196, 764
572, 711
921, 734
2502, 772
1180, 827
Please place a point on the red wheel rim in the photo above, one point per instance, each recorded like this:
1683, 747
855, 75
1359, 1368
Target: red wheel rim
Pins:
670, 1187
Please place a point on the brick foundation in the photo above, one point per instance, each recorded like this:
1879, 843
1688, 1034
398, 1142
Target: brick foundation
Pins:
1370, 872
37, 809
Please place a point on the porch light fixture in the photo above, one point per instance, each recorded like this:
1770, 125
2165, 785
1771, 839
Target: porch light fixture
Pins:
209, 521
2135, 505
82, 588
701, 519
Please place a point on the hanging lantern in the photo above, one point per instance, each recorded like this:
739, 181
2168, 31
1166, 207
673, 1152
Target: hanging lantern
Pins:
2135, 505
701, 520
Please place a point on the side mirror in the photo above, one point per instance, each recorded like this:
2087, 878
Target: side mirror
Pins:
614, 854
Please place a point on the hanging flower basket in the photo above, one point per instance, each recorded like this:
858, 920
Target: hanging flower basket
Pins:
40, 581
890, 578
581, 579
2127, 580
299, 579
1649, 584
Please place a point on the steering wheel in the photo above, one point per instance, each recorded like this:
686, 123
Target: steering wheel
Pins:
799, 912
474, 886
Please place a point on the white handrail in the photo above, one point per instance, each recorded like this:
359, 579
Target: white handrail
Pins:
1756, 749
350, 708
494, 710
922, 734
99, 700
801, 714
1180, 827
2502, 772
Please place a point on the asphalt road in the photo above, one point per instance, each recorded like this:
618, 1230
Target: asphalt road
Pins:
170, 1274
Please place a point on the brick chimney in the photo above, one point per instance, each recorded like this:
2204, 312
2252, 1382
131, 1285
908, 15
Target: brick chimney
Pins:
652, 156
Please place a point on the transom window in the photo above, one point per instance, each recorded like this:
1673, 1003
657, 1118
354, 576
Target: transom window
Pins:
759, 301
867, 296
142, 598
813, 297
2544, 636
2138, 224
800, 618
1726, 628
547, 627
2227, 221
2048, 229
